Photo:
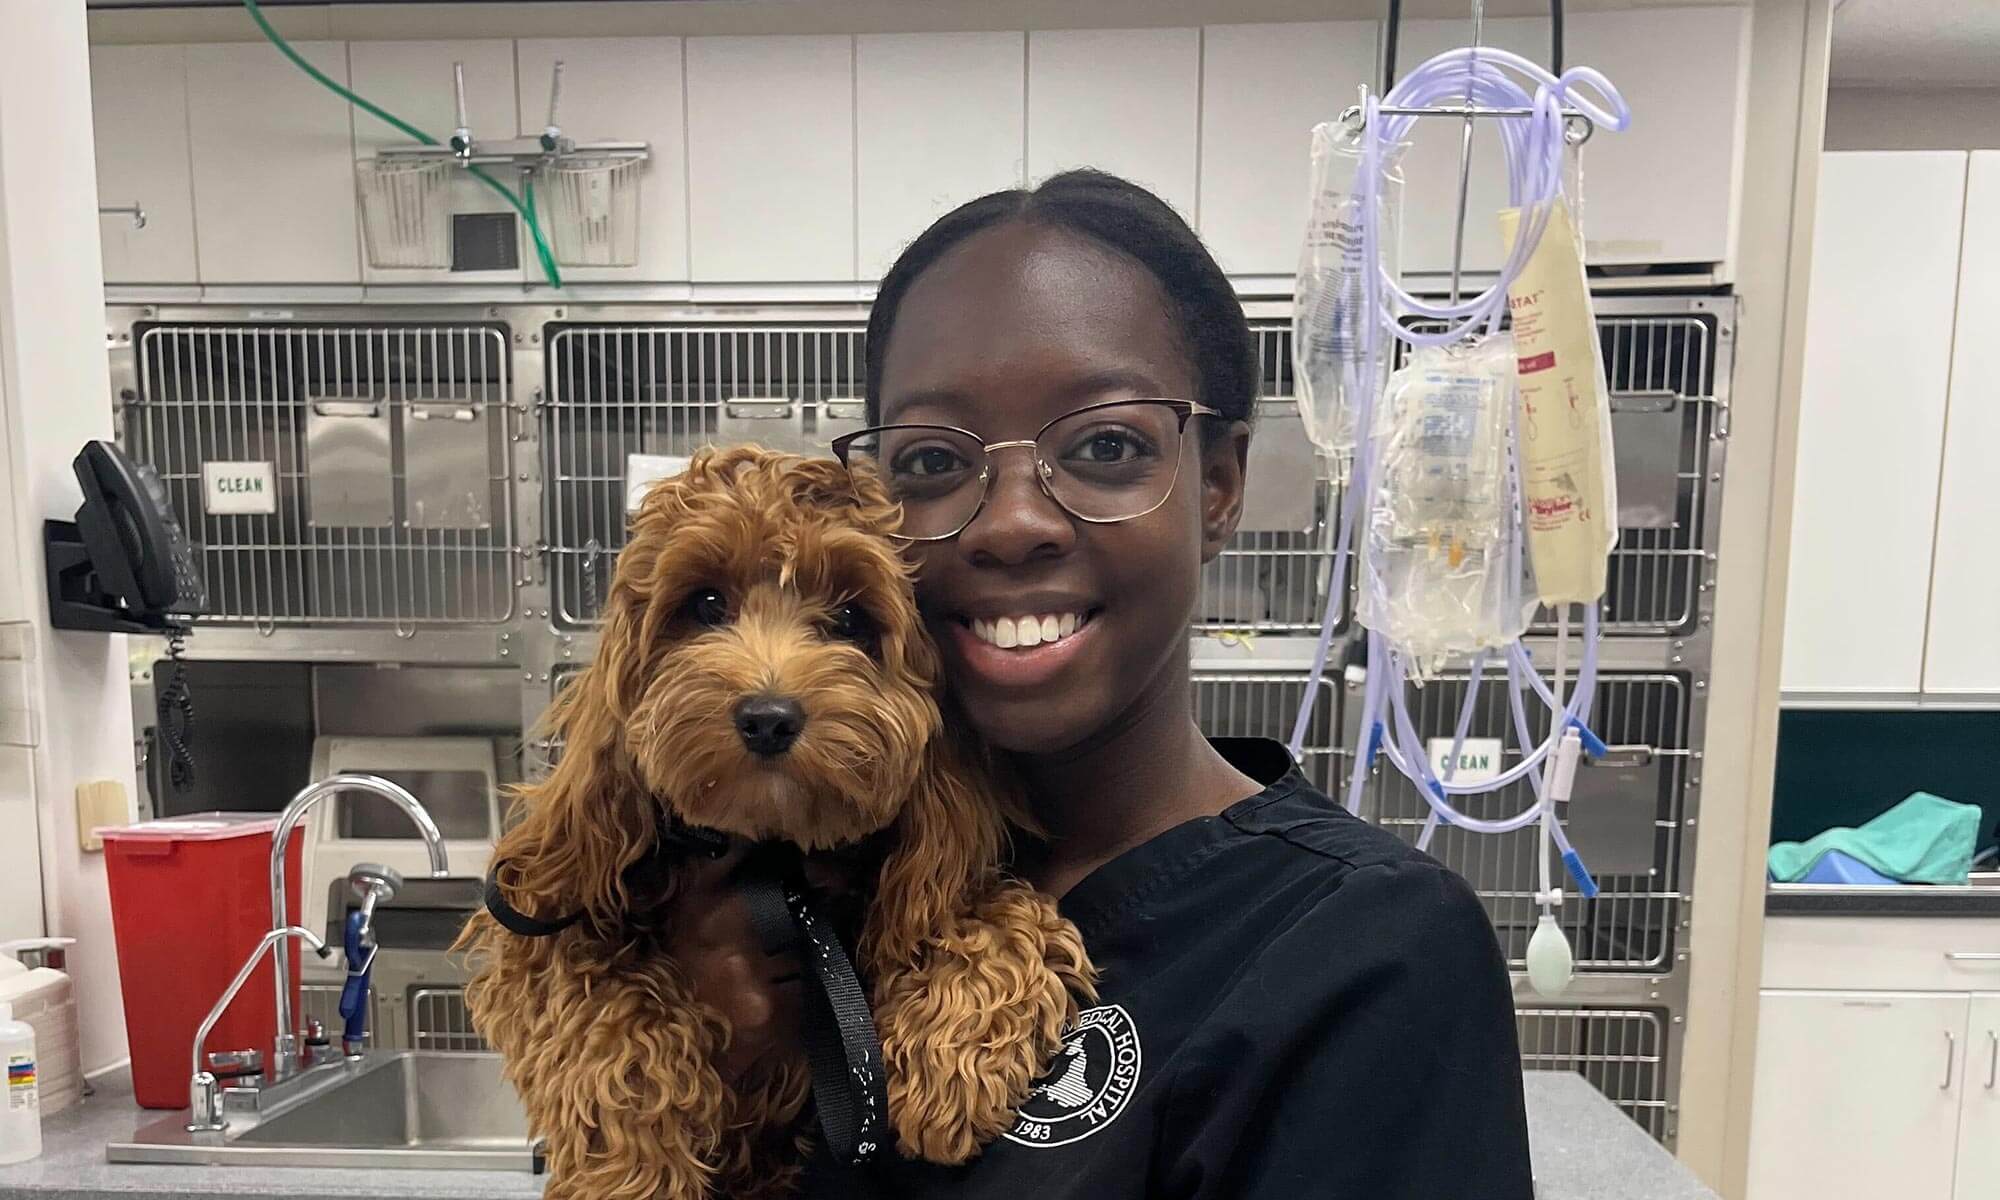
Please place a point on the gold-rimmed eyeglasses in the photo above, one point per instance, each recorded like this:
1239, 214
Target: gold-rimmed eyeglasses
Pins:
1103, 463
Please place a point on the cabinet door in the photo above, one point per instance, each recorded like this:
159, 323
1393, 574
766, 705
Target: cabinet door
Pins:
1871, 420
273, 156
138, 99
1665, 190
414, 80
1857, 1095
771, 158
938, 121
620, 89
1979, 1112
1263, 88
1125, 101
1962, 653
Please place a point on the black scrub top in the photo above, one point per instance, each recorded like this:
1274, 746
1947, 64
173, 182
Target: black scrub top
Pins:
1292, 1003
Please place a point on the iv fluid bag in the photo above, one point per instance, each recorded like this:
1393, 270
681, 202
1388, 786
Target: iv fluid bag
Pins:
1330, 314
1439, 576
1568, 482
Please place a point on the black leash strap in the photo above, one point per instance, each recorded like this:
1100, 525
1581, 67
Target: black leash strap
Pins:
850, 1089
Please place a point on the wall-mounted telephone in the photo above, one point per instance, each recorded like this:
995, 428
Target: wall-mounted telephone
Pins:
124, 564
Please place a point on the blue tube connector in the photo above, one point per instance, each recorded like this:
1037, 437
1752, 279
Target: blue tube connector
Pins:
1592, 744
1573, 863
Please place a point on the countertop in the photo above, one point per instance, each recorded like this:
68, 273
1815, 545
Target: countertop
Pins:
1584, 1149
1881, 900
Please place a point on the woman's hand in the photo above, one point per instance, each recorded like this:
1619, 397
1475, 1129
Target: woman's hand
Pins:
717, 945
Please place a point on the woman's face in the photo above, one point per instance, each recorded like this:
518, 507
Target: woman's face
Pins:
1014, 327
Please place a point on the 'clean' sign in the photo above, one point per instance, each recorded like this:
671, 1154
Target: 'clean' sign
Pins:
238, 488
1478, 759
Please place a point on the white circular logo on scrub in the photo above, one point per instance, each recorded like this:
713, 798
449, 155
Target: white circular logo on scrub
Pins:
1091, 1082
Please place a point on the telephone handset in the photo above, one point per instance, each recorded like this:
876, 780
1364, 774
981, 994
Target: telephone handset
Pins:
125, 563
139, 549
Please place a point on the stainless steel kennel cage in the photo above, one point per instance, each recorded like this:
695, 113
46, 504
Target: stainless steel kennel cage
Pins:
451, 487
389, 447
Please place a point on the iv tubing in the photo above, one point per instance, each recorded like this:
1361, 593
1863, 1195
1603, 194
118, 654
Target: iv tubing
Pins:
1545, 803
527, 210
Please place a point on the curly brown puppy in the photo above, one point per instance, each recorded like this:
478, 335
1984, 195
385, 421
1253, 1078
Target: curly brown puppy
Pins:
762, 673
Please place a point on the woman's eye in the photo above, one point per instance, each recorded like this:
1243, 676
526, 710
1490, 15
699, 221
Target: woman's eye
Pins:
1106, 446
706, 607
850, 623
929, 461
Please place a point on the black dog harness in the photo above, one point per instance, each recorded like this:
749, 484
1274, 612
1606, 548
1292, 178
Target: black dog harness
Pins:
850, 1087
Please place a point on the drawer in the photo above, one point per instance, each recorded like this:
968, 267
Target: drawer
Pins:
1882, 953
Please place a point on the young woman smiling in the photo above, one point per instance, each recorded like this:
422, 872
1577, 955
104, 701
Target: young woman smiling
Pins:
1293, 1002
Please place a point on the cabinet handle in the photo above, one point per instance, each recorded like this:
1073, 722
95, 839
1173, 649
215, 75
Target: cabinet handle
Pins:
1950, 1059
1992, 1059
1971, 956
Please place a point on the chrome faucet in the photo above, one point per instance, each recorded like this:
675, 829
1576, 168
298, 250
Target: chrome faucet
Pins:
204, 1094
285, 1047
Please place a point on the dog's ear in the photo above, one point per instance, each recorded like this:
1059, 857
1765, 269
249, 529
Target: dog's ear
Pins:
582, 825
948, 840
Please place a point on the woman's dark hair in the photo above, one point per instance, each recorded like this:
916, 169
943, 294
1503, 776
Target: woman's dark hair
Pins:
1124, 217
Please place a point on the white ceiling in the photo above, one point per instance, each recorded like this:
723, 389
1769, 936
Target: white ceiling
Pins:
1917, 44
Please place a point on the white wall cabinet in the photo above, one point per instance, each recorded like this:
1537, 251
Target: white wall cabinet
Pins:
1879, 320
620, 89
1263, 88
273, 166
138, 97
938, 121
1125, 101
1878, 1059
1979, 1109
414, 81
1663, 191
1962, 650
1857, 1095
771, 159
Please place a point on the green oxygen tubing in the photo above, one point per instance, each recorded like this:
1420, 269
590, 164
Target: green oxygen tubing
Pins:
525, 207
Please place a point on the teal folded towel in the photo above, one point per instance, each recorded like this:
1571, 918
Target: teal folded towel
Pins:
1925, 839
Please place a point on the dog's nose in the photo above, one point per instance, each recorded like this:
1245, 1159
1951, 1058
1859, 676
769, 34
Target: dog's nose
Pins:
769, 724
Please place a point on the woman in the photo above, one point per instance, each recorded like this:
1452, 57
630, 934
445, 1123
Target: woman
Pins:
1293, 1002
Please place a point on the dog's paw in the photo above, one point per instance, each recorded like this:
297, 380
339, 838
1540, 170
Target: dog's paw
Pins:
968, 1032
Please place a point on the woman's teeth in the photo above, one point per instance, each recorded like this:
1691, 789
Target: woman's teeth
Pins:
1010, 633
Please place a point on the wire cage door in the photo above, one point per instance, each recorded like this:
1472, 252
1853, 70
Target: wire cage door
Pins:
1273, 575
1627, 817
387, 448
1263, 703
1624, 1053
1665, 382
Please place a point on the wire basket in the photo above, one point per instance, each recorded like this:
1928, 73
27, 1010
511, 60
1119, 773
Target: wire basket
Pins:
405, 211
593, 210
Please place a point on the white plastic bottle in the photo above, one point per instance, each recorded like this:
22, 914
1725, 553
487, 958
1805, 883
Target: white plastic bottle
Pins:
20, 1110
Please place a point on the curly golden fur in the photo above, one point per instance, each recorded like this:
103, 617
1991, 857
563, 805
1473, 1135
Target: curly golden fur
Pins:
973, 975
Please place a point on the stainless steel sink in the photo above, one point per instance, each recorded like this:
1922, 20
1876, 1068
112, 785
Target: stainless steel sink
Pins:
406, 1109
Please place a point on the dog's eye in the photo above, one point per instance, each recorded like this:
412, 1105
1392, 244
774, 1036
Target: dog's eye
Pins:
851, 623
706, 607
